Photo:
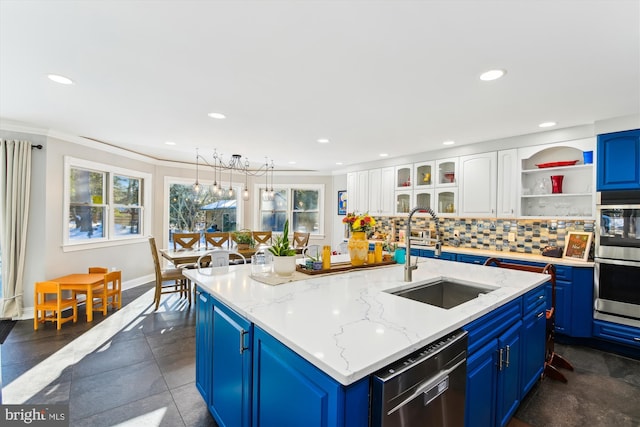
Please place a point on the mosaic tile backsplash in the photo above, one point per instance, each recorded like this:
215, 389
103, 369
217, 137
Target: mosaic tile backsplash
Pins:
493, 234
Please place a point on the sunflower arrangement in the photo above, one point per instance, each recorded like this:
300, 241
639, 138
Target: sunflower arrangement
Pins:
357, 222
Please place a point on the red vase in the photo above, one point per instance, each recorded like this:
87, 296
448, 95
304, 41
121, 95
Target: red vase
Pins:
556, 183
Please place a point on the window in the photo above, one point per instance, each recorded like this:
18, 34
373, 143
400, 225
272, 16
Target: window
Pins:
103, 203
300, 204
203, 211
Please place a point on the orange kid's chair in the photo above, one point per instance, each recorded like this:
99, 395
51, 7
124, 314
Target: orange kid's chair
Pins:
111, 288
54, 305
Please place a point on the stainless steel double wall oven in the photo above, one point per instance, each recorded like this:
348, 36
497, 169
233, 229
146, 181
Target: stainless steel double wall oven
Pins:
617, 258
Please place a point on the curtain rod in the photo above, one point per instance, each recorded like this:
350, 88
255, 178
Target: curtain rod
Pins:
39, 146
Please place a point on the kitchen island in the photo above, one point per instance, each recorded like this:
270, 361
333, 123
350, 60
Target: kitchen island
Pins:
341, 328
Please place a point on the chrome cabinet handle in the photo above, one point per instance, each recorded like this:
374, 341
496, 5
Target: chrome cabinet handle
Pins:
541, 296
637, 339
540, 314
507, 362
202, 297
242, 347
500, 360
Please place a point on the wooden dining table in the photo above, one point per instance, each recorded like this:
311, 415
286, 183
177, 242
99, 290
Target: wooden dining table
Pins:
84, 282
190, 256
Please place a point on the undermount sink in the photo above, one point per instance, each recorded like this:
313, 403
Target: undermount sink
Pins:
444, 292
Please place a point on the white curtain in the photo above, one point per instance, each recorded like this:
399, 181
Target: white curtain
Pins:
15, 185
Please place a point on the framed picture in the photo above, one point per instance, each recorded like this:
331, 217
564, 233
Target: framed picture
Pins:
342, 202
578, 245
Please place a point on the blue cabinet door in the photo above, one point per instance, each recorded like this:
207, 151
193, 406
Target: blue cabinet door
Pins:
472, 259
289, 391
230, 402
508, 386
619, 161
481, 386
203, 344
533, 348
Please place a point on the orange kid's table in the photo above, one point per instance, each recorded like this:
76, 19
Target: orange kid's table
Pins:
85, 282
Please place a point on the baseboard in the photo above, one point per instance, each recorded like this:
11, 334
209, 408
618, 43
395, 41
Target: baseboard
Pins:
27, 312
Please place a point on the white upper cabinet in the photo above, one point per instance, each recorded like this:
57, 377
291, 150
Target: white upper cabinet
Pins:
447, 172
358, 191
477, 189
424, 176
507, 206
381, 197
404, 178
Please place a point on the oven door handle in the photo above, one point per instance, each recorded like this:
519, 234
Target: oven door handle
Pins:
617, 262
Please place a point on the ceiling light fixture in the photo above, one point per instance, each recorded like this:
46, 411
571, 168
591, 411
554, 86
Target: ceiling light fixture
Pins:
547, 124
218, 116
60, 79
448, 143
238, 165
384, 155
339, 163
323, 141
492, 75
170, 143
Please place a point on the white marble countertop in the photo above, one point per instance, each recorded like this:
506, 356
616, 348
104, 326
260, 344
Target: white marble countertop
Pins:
346, 324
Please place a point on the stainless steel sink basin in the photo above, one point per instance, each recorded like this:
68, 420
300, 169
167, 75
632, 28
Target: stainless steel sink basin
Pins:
444, 292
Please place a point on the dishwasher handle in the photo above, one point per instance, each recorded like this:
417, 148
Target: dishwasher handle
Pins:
441, 380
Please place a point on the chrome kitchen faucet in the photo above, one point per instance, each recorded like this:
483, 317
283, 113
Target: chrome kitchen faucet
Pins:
408, 268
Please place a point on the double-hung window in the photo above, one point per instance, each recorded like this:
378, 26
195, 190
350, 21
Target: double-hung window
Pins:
104, 203
300, 204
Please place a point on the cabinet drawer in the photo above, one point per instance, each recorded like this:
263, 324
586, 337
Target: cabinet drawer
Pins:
564, 272
620, 333
493, 324
472, 259
533, 298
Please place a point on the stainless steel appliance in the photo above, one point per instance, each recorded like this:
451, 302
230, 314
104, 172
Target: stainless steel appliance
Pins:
617, 261
425, 388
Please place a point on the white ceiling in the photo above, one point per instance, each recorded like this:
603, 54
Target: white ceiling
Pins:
396, 77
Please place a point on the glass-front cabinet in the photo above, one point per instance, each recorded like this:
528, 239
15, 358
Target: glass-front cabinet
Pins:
447, 171
404, 180
403, 201
446, 201
424, 198
424, 175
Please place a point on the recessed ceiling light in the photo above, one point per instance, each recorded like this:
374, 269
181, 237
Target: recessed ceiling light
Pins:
448, 143
323, 141
60, 79
383, 155
292, 162
170, 143
547, 124
492, 75
339, 163
217, 116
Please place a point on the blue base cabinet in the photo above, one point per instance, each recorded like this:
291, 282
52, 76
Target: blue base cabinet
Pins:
230, 397
533, 349
248, 378
203, 343
618, 160
621, 334
494, 365
289, 391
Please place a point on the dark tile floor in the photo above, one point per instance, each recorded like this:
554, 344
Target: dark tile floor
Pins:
137, 367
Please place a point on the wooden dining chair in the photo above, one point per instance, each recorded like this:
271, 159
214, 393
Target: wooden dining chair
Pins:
300, 241
179, 283
262, 237
48, 298
553, 361
186, 241
111, 288
216, 239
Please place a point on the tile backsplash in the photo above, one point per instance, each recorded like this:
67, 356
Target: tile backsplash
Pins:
531, 235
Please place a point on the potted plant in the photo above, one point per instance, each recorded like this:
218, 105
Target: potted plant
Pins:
284, 256
244, 239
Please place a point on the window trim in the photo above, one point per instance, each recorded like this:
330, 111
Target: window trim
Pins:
109, 239
289, 188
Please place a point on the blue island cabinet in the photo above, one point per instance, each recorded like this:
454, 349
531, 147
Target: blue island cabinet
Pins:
619, 161
248, 378
289, 391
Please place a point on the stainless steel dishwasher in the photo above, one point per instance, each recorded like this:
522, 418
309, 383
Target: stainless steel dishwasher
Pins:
426, 388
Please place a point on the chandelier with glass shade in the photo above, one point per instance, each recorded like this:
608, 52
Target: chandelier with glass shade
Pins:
235, 164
